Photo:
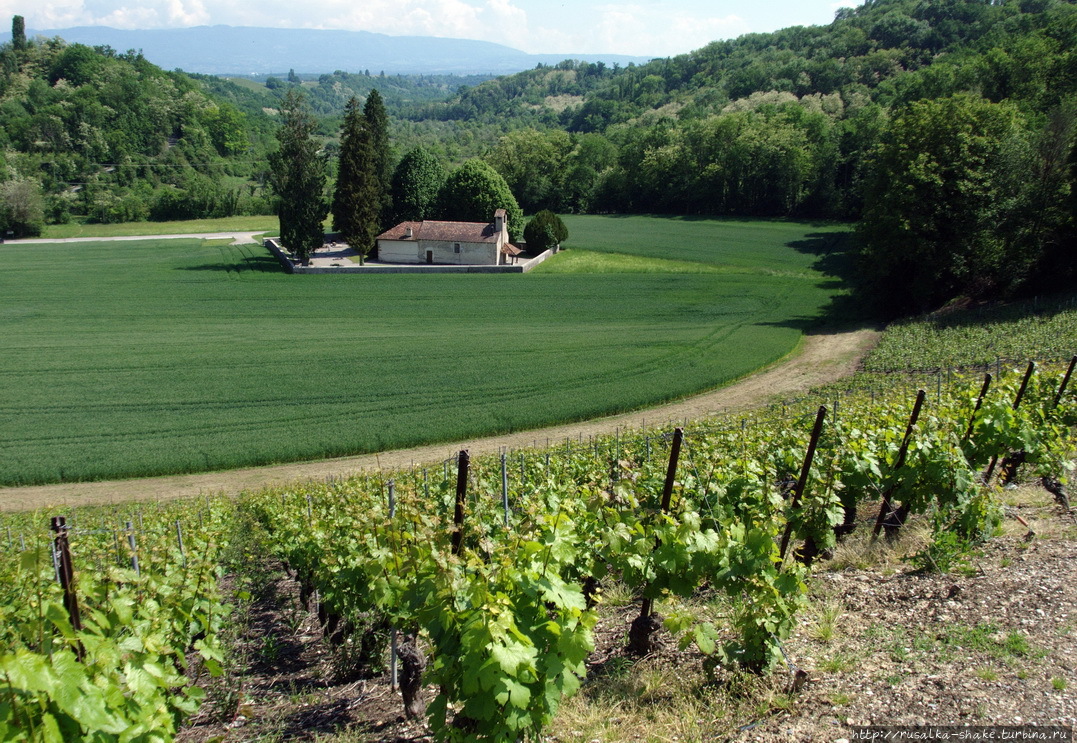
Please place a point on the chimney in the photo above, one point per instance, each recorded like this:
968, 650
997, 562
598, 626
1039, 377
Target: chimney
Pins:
499, 220
407, 232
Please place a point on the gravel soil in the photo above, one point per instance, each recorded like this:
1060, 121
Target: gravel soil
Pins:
991, 642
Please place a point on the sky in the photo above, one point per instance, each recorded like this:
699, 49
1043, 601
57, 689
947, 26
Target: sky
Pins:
656, 28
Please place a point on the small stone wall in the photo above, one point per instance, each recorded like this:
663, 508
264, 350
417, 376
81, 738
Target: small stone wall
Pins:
290, 266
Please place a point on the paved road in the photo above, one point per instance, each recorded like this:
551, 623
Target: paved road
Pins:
237, 238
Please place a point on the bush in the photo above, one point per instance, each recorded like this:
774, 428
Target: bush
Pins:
544, 231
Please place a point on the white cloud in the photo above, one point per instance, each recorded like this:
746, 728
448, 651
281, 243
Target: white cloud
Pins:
640, 27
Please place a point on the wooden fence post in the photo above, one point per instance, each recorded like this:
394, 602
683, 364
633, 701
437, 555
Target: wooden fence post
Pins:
1016, 404
1065, 382
979, 403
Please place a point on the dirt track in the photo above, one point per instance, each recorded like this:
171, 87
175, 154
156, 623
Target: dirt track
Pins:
821, 358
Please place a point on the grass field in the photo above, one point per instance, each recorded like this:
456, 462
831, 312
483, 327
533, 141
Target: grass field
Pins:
226, 224
147, 357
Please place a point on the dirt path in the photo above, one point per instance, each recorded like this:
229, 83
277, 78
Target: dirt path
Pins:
821, 358
236, 238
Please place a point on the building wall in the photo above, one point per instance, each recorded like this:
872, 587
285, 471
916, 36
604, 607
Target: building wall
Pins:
411, 251
481, 254
399, 251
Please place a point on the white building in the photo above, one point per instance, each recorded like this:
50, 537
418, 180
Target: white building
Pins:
451, 243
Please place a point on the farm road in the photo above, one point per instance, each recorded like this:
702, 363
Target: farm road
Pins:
236, 237
821, 358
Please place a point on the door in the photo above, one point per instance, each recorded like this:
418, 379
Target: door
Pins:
430, 256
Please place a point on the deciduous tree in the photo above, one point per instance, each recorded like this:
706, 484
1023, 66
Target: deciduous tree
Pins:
473, 192
544, 231
935, 200
416, 181
21, 209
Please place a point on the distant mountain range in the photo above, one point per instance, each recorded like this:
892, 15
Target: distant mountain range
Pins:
240, 50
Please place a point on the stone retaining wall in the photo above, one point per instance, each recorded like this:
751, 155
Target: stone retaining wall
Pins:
285, 259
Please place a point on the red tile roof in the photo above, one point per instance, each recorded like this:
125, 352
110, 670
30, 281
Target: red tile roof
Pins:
460, 232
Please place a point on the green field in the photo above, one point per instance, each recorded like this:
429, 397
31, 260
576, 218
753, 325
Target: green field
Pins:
267, 224
143, 357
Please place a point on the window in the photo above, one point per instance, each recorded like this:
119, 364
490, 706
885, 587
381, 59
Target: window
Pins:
456, 247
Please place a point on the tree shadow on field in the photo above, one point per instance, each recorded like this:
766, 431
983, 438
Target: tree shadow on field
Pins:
261, 264
836, 260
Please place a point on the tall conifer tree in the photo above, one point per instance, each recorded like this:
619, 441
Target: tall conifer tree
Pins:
377, 121
18, 33
357, 200
297, 174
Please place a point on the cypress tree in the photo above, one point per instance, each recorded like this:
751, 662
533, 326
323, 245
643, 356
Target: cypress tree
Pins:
297, 175
377, 122
18, 33
358, 196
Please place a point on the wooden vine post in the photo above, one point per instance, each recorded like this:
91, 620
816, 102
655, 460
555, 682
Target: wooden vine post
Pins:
67, 577
802, 481
1016, 404
463, 467
1065, 383
886, 509
641, 633
979, 404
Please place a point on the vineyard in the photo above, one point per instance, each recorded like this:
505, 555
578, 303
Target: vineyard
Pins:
486, 577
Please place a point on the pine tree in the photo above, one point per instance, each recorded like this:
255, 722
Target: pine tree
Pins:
358, 197
297, 175
377, 121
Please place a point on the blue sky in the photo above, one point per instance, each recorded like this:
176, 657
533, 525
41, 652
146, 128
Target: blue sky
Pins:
640, 27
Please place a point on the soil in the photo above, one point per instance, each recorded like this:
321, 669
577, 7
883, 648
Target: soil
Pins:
822, 357
991, 642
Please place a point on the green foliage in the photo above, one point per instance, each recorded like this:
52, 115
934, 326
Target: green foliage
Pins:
18, 33
121, 677
943, 177
358, 197
473, 192
533, 164
21, 208
1042, 328
416, 182
497, 595
108, 135
544, 231
298, 173
377, 129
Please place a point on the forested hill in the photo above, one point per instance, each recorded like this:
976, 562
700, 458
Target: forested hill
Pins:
945, 126
111, 137
889, 51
